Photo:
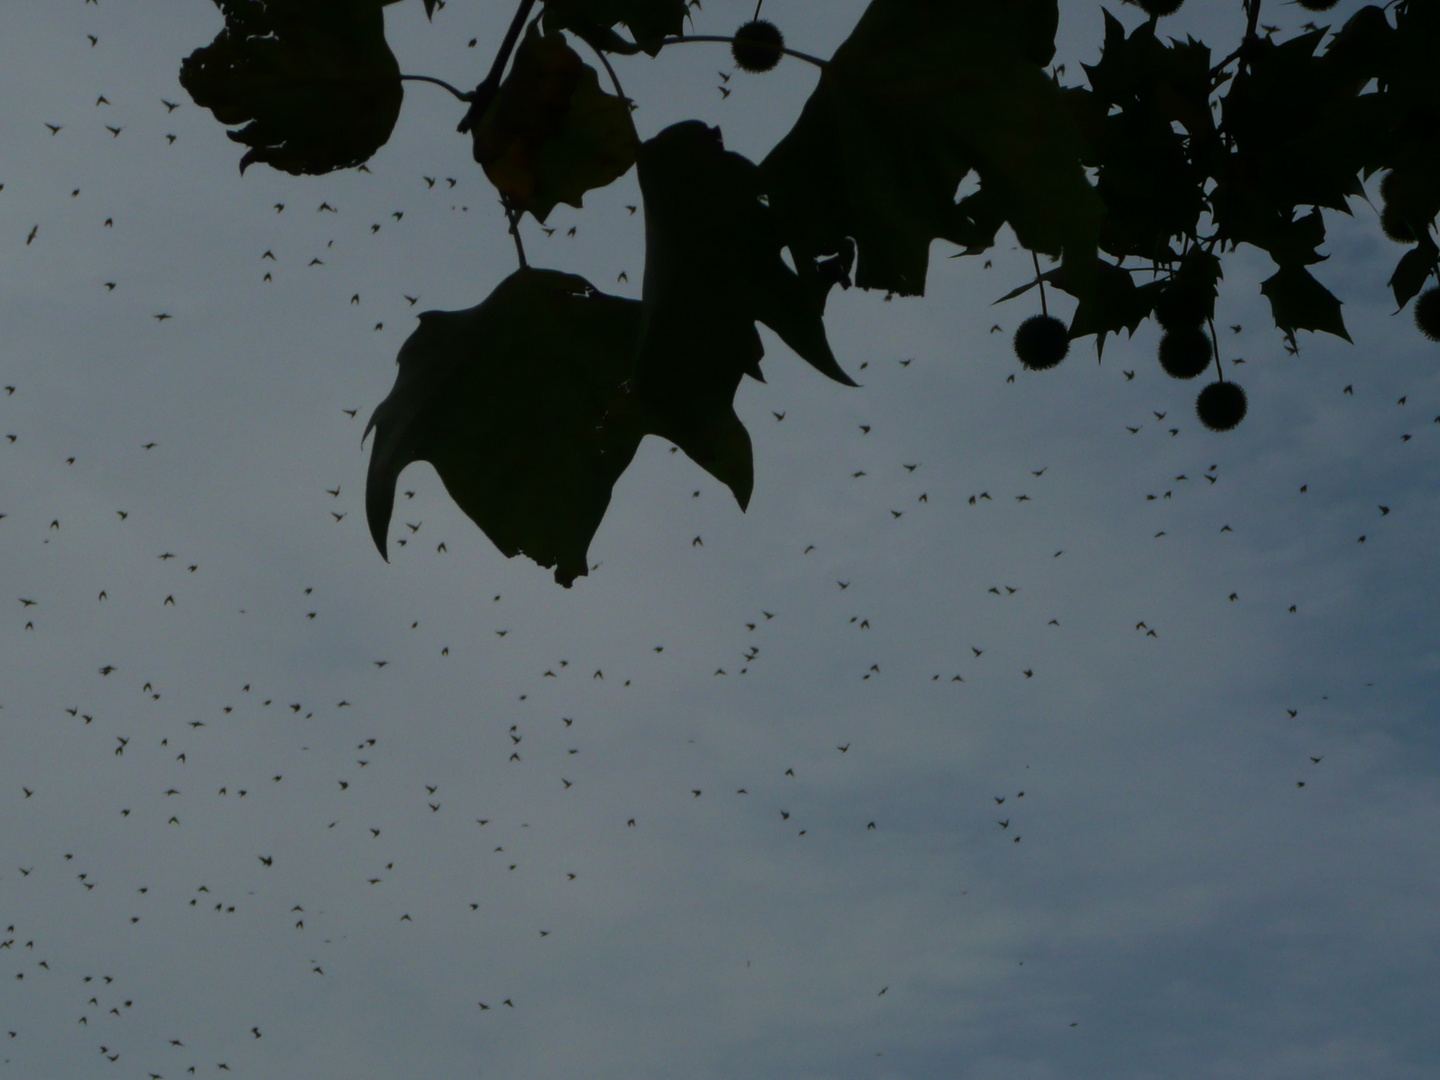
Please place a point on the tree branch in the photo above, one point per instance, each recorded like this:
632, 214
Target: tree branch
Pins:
485, 93
1252, 23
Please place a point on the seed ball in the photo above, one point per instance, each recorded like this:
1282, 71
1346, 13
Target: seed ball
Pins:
1394, 186
757, 46
1161, 8
1184, 354
1041, 342
1396, 225
1410, 197
1179, 308
1427, 313
1221, 406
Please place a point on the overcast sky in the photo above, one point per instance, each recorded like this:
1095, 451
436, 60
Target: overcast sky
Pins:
1216, 853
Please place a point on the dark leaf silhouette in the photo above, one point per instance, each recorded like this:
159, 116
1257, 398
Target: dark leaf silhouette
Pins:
1299, 302
1111, 303
649, 21
551, 134
712, 268
313, 82
918, 95
519, 405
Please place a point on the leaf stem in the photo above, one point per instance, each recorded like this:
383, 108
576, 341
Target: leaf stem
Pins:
1040, 280
614, 79
461, 94
686, 38
1215, 344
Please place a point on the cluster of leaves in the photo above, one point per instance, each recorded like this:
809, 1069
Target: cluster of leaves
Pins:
1300, 124
1298, 129
532, 404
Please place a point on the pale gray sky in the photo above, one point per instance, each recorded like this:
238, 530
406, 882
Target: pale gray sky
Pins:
1164, 900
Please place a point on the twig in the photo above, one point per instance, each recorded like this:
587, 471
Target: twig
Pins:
1252, 22
1252, 18
686, 38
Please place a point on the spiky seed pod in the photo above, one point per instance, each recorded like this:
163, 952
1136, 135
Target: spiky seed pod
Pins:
1221, 406
1161, 8
1427, 313
1180, 307
1411, 201
1396, 225
1184, 354
1041, 342
757, 46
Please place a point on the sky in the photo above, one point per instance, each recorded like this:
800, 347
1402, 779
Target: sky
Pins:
1153, 781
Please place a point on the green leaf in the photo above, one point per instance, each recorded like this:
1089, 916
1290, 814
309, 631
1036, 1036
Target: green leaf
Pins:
1411, 272
918, 95
520, 406
712, 268
551, 134
649, 21
1299, 302
312, 81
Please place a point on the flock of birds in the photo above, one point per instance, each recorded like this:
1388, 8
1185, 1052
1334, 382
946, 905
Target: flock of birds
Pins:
182, 740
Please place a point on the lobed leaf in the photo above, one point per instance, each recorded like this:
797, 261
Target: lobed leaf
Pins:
1299, 302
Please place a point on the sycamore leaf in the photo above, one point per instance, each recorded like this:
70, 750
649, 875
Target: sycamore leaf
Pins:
551, 134
1299, 302
712, 269
1114, 303
918, 95
649, 21
313, 82
519, 405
